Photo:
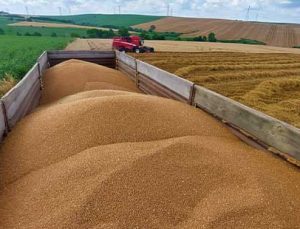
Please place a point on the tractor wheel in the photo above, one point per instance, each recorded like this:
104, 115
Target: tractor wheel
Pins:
122, 49
137, 50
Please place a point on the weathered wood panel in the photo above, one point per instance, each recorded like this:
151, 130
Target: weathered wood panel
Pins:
80, 54
147, 91
128, 60
18, 100
174, 83
152, 87
107, 58
30, 102
271, 131
43, 62
127, 70
35, 98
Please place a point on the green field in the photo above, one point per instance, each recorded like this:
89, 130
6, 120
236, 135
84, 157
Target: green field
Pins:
21, 46
18, 55
78, 32
107, 19
44, 31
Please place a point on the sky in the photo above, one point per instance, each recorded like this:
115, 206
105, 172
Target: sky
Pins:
261, 10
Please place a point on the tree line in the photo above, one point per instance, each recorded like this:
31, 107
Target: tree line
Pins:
124, 32
211, 38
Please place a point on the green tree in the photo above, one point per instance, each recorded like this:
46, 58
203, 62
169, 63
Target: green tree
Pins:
152, 28
98, 33
199, 38
75, 35
111, 33
157, 36
2, 32
53, 34
123, 31
37, 34
145, 35
94, 33
19, 34
212, 37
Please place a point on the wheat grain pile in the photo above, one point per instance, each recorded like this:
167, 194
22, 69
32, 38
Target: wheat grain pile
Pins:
119, 159
74, 76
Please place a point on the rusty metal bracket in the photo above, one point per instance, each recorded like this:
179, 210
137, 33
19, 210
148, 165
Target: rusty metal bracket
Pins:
136, 74
40, 77
7, 128
192, 95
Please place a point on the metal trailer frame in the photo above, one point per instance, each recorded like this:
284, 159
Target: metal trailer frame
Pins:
253, 127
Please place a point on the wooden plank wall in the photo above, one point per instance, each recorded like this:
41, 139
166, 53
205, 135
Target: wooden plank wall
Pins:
163, 83
278, 136
23, 97
20, 100
153, 80
105, 58
271, 131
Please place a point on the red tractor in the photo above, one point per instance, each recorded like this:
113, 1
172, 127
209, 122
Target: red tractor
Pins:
130, 44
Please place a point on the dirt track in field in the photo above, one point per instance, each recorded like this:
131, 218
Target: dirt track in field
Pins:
267, 82
182, 46
284, 35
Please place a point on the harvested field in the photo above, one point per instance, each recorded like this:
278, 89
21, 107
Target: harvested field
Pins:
283, 35
119, 159
267, 82
182, 46
54, 25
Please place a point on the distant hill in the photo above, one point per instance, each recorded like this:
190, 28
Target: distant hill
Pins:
275, 34
105, 19
4, 13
